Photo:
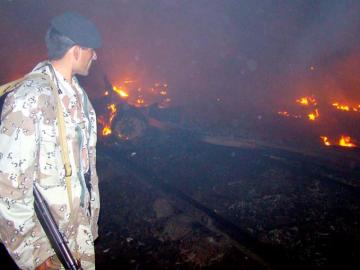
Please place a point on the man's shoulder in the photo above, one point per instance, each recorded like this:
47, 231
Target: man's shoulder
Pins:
30, 93
34, 84
38, 81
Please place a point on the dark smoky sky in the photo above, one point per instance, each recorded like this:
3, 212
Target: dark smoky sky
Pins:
216, 56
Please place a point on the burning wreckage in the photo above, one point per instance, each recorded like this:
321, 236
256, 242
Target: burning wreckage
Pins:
335, 118
122, 119
248, 204
126, 113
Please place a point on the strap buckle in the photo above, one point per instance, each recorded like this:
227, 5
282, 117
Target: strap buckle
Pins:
68, 170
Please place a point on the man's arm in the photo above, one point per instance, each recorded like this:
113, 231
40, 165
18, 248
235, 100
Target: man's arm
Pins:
95, 196
95, 200
20, 230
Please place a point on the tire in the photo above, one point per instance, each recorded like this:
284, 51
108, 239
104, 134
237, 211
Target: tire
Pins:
129, 128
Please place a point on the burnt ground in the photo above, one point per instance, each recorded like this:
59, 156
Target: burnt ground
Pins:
173, 202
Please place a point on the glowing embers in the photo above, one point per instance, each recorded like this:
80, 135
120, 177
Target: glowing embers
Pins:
306, 101
344, 107
284, 113
287, 114
309, 108
343, 141
314, 114
140, 101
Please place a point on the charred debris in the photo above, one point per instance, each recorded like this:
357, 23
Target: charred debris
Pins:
174, 198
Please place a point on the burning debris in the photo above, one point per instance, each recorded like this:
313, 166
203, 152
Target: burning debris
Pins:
313, 114
106, 123
347, 108
306, 101
344, 141
121, 92
310, 101
126, 111
325, 140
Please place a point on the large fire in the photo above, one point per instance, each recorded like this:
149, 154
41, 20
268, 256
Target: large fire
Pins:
135, 96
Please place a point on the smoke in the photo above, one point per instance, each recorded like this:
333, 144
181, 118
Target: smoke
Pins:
218, 57
324, 57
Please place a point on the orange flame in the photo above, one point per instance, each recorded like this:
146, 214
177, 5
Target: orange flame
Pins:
306, 101
344, 107
120, 91
341, 107
345, 141
325, 140
136, 97
106, 131
140, 101
107, 125
314, 115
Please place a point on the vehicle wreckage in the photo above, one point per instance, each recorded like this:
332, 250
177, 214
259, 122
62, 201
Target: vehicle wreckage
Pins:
120, 121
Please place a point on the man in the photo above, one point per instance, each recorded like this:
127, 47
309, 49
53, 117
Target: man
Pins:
30, 151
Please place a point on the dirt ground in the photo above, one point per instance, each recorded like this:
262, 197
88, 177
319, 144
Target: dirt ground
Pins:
173, 202
177, 203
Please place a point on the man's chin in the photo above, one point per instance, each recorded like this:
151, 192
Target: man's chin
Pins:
83, 73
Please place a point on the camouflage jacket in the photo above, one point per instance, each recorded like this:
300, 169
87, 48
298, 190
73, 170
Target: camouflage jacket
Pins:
30, 154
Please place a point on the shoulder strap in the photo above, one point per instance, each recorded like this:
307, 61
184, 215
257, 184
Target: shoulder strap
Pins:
62, 139
9, 86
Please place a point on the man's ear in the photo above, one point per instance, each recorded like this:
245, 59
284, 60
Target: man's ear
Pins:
76, 52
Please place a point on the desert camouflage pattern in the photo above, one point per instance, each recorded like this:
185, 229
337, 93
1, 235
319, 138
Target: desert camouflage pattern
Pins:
30, 154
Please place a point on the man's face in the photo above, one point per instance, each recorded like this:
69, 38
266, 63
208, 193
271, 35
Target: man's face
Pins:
86, 57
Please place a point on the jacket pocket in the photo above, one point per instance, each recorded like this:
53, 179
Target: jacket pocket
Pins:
49, 164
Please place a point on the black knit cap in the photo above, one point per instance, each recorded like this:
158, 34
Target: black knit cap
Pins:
78, 28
